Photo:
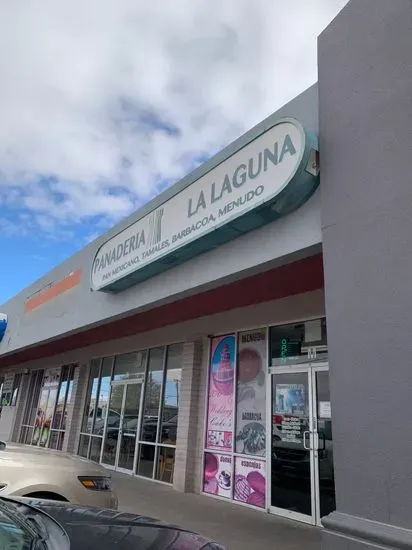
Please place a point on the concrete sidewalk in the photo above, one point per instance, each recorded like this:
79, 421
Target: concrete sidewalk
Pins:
236, 527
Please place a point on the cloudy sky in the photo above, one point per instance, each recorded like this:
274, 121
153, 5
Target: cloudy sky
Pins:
103, 103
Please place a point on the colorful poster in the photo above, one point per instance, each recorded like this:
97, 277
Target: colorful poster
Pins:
291, 399
217, 478
251, 393
250, 481
220, 397
44, 416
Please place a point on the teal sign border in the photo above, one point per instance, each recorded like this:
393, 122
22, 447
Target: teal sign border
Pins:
294, 193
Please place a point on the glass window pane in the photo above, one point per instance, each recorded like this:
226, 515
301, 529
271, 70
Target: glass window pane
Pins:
103, 397
95, 449
91, 396
170, 408
35, 390
16, 389
146, 460
293, 343
83, 445
129, 365
69, 396
165, 464
153, 389
113, 425
56, 440
58, 415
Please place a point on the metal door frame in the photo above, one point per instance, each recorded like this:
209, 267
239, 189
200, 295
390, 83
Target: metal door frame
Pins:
115, 466
310, 369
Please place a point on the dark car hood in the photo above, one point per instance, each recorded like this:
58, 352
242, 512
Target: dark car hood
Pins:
96, 529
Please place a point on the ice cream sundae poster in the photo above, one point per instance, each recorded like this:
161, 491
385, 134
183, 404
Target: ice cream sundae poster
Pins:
251, 393
220, 395
217, 478
249, 484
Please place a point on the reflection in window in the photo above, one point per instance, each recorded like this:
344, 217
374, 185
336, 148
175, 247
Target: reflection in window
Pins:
170, 407
30, 410
165, 464
16, 389
160, 371
129, 365
153, 389
91, 396
103, 396
60, 413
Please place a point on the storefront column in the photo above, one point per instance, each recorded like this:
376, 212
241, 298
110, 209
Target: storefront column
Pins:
191, 407
365, 109
75, 409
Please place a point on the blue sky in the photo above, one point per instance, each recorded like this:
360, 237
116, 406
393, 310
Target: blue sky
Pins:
101, 112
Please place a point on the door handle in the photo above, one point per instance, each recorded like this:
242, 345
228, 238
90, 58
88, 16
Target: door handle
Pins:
304, 440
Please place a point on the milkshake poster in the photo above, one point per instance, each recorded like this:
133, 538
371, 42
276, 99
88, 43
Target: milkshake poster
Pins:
217, 479
250, 481
220, 397
251, 393
291, 399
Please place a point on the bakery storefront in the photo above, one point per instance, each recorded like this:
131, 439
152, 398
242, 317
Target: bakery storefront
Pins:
268, 433
224, 388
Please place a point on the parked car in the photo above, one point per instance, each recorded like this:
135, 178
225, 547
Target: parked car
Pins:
43, 525
36, 472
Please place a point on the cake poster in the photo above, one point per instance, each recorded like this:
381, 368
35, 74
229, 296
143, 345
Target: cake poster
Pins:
251, 393
217, 475
250, 481
220, 398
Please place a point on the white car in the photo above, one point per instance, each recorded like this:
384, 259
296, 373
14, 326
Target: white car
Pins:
27, 471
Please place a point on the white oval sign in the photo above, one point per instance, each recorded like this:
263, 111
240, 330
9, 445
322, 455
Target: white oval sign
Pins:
250, 177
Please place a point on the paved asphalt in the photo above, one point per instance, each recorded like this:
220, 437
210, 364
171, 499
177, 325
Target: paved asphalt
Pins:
236, 527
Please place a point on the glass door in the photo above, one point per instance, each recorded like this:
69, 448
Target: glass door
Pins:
302, 482
129, 426
122, 424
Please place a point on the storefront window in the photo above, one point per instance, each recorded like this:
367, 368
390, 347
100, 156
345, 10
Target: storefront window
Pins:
16, 389
129, 365
153, 390
156, 456
29, 416
298, 343
171, 395
45, 415
95, 410
64, 396
233, 465
91, 398
147, 381
102, 399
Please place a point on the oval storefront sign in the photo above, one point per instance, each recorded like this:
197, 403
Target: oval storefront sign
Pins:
276, 172
3, 325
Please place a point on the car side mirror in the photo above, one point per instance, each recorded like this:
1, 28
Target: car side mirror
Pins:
2, 445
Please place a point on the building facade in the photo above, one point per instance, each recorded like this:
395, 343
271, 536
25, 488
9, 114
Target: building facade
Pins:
236, 336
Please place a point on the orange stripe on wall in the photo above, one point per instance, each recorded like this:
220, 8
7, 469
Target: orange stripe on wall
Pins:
53, 291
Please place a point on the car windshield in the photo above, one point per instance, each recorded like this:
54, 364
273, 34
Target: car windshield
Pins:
12, 535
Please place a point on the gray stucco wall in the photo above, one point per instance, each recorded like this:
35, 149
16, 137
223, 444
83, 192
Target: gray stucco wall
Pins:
365, 95
294, 236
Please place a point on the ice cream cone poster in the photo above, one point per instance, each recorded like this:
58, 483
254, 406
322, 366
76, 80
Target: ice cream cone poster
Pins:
220, 397
251, 393
217, 475
249, 483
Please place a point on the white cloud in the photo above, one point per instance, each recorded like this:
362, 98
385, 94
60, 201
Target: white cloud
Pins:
82, 84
